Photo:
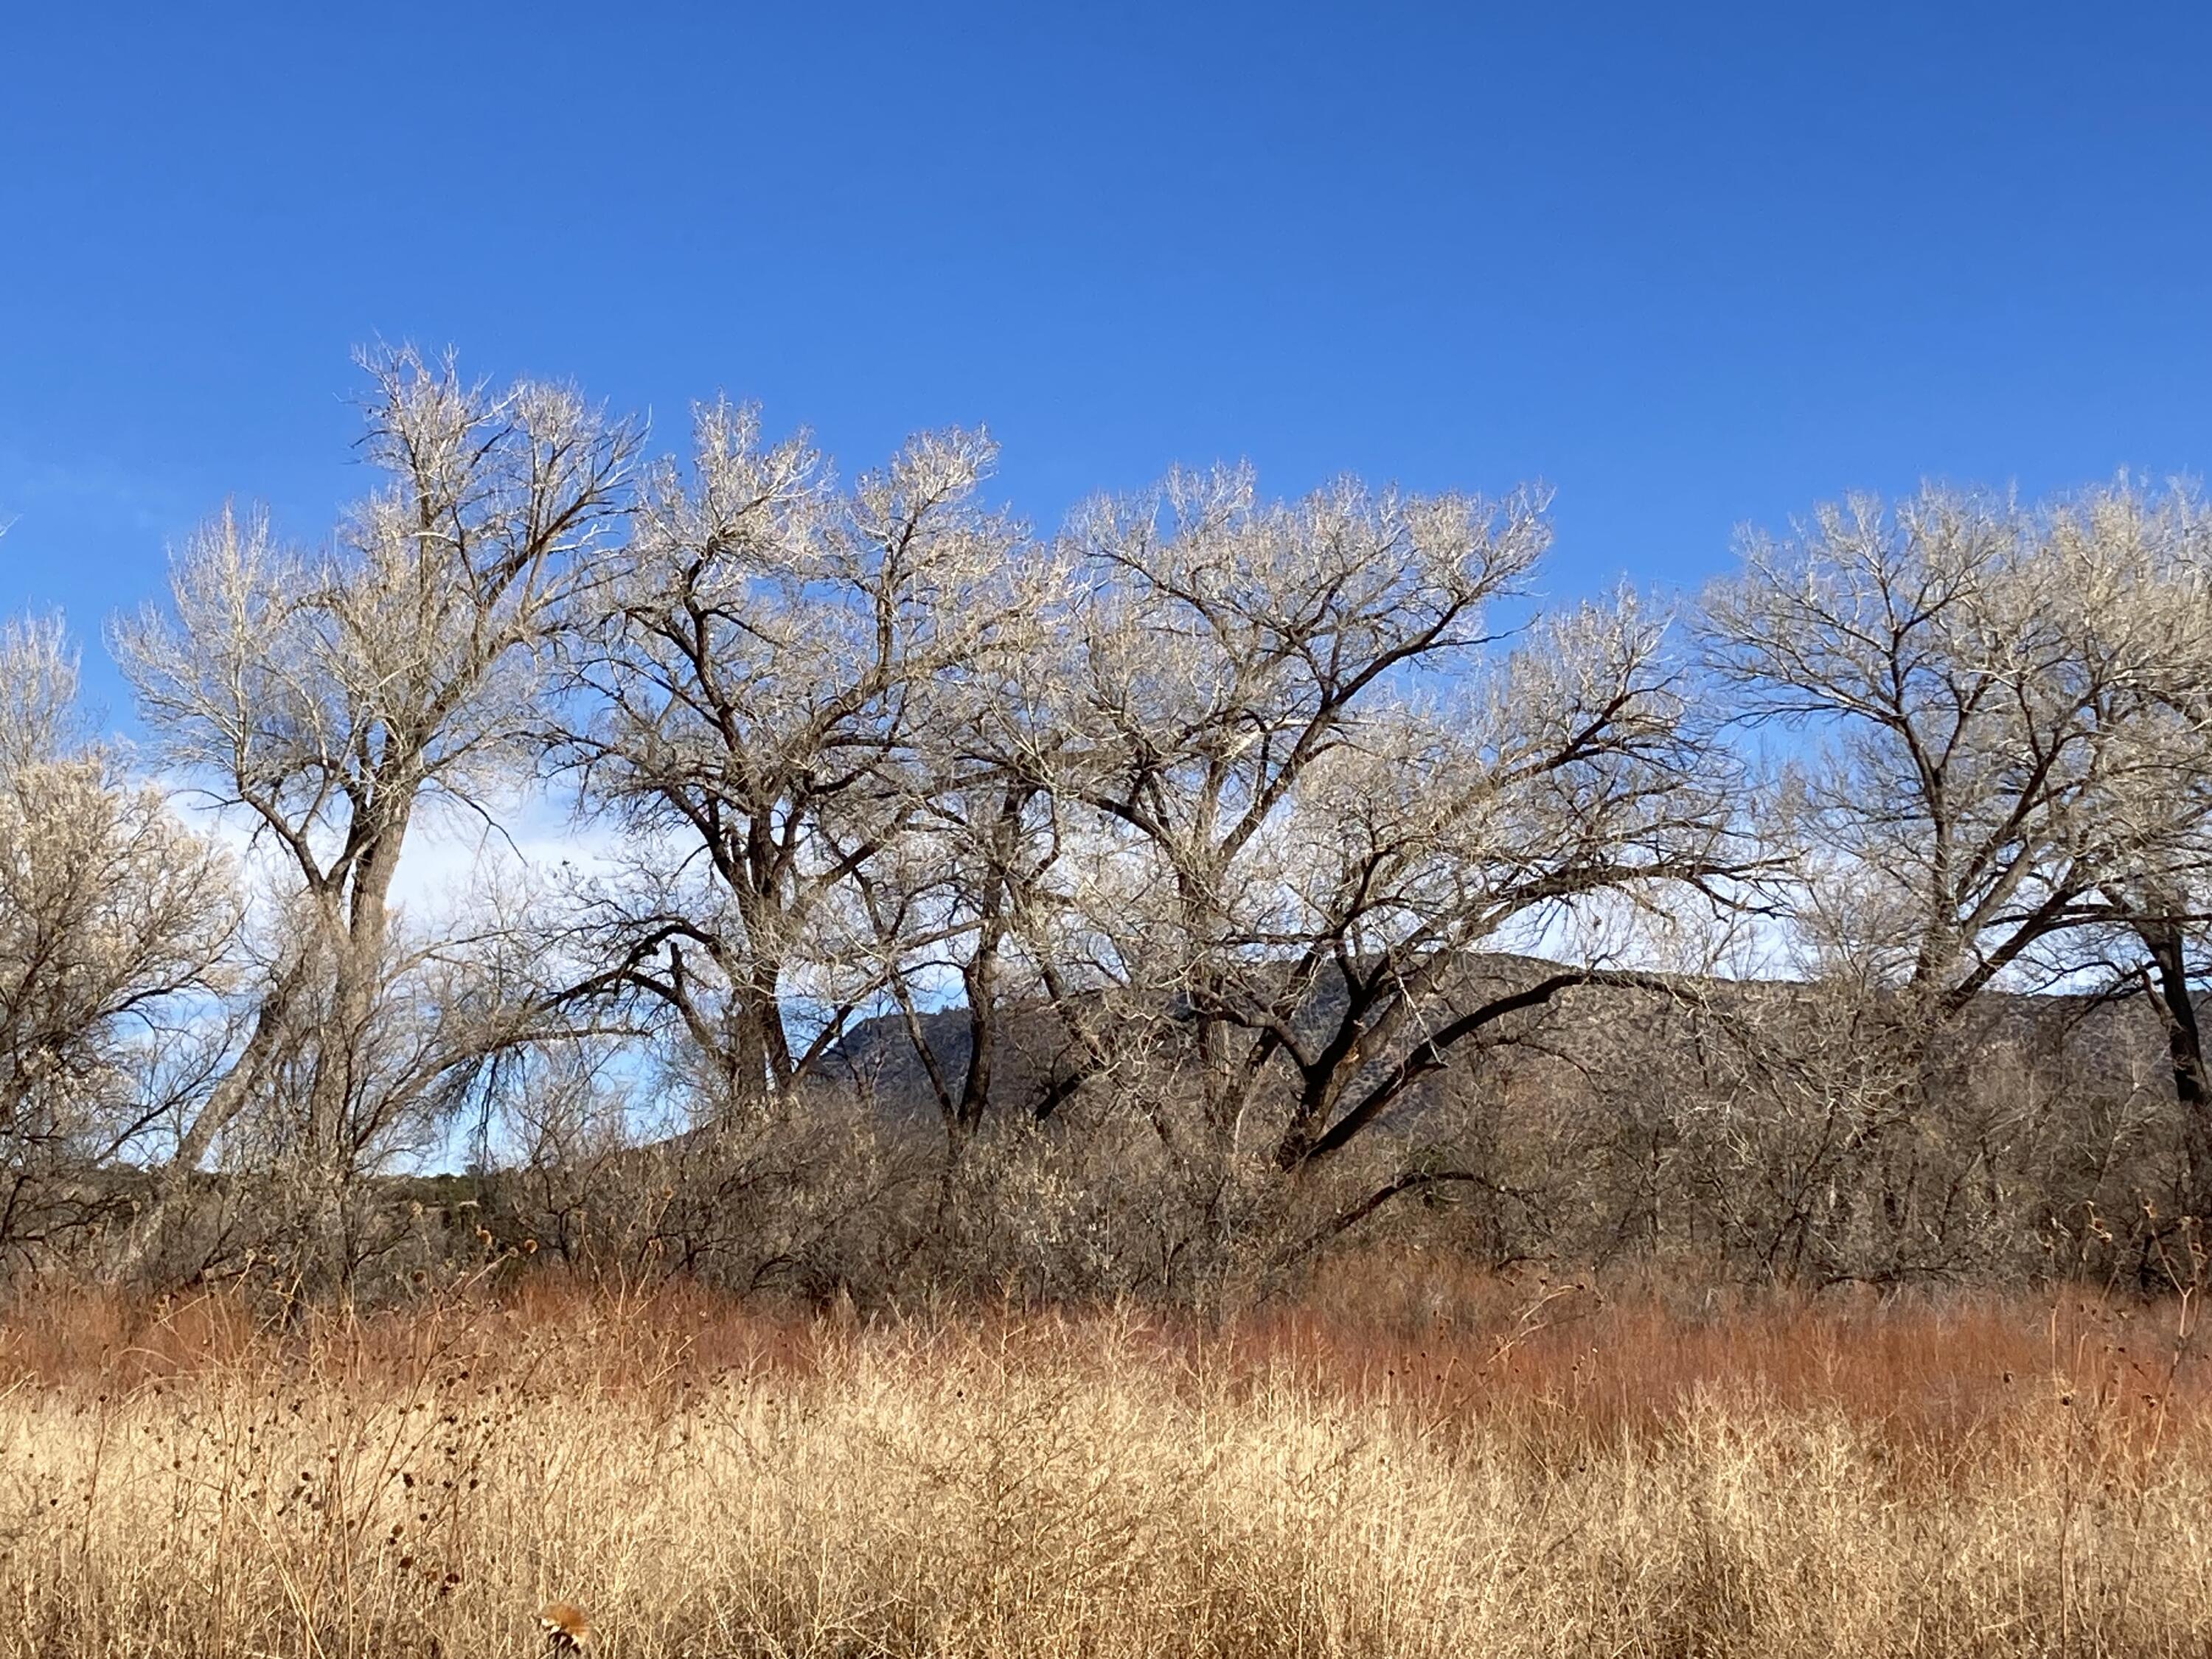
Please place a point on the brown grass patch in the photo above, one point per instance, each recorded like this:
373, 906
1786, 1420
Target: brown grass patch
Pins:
1409, 1464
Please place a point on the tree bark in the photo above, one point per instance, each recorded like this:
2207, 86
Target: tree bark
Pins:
2169, 984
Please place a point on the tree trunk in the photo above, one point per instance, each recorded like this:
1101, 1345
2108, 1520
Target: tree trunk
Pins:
2184, 1045
979, 977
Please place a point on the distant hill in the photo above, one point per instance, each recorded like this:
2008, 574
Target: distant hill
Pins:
1625, 1026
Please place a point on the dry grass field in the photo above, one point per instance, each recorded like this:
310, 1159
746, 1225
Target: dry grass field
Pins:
1406, 1464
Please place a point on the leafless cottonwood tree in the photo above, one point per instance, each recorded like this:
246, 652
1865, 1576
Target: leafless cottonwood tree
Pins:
2011, 763
328, 698
2139, 564
114, 921
968, 898
1994, 687
764, 661
1316, 788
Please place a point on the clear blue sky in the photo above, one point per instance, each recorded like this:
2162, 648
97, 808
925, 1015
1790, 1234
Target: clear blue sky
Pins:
1691, 265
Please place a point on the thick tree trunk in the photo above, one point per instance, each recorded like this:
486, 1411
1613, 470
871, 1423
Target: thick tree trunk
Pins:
981, 977
2184, 1043
359, 927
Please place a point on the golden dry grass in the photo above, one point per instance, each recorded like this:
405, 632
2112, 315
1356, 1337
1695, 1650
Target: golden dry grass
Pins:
1404, 1466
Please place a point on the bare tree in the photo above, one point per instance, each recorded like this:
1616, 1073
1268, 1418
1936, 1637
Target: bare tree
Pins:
1989, 686
1229, 647
1316, 792
986, 831
328, 698
2010, 770
114, 920
761, 662
2139, 573
38, 719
